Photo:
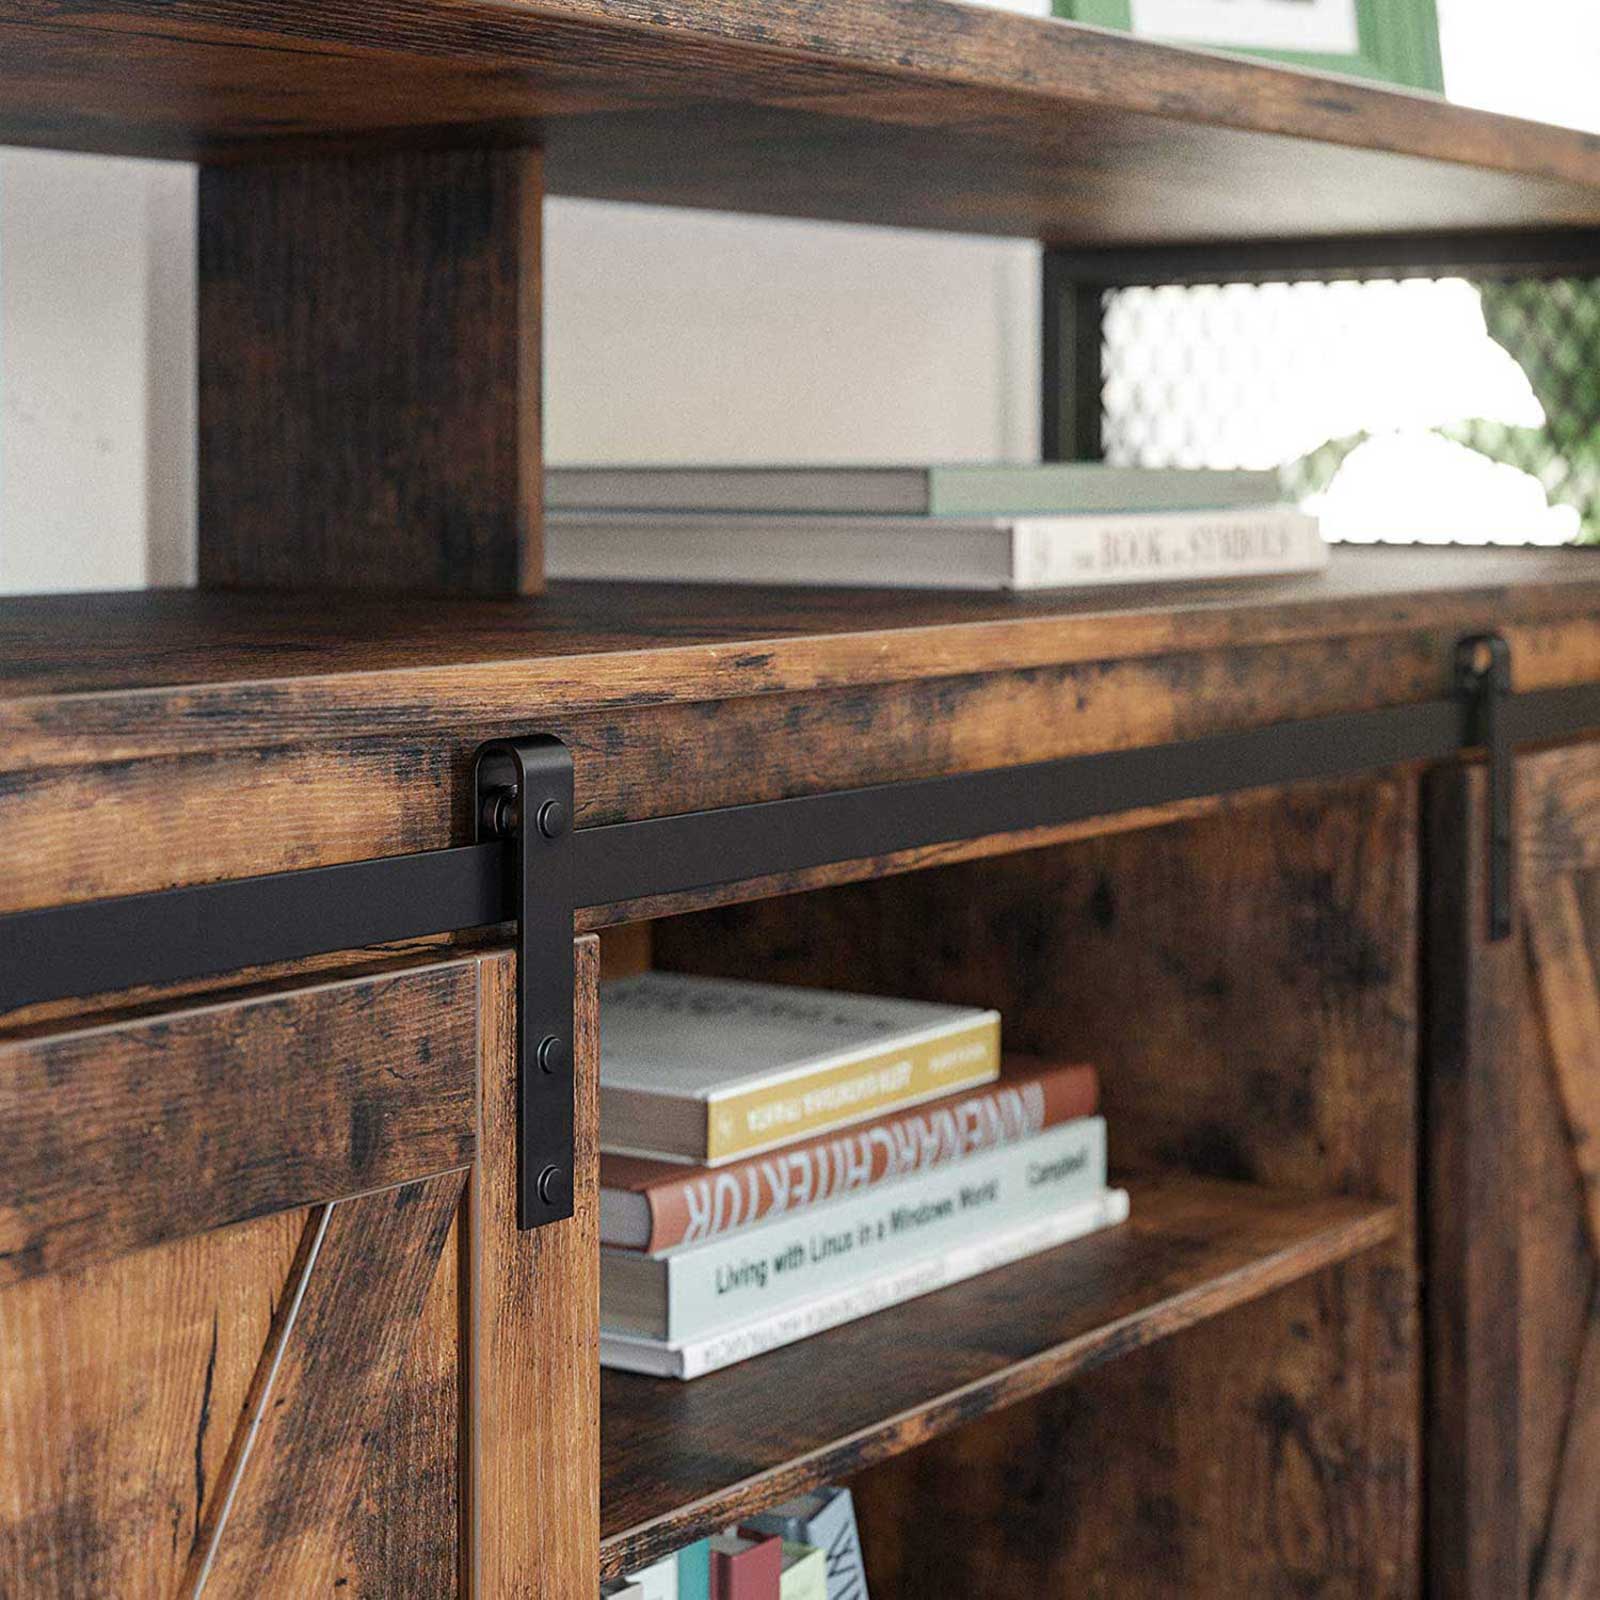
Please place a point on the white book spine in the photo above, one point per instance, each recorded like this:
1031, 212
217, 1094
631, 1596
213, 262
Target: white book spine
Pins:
807, 1253
1082, 551
1245, 542
659, 1582
694, 1358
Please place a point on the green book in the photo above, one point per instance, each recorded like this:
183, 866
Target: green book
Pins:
1063, 488
694, 1571
805, 1573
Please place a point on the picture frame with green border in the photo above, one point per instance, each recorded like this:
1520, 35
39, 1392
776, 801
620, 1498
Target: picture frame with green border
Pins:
1399, 40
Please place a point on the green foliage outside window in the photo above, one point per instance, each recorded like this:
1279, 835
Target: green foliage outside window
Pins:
1552, 331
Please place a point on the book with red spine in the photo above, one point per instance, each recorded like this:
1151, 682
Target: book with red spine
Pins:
746, 1567
657, 1206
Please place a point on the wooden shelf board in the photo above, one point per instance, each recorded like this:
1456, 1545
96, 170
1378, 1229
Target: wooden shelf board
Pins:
138, 675
679, 1460
357, 718
913, 112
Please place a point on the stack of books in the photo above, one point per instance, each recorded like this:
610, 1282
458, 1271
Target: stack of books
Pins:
807, 1549
777, 1161
1049, 526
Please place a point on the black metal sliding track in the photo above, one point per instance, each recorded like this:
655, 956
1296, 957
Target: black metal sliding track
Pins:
173, 935
177, 935
670, 855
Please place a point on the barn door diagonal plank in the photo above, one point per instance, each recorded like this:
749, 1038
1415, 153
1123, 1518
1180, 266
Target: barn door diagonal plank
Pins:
1567, 1564
282, 1521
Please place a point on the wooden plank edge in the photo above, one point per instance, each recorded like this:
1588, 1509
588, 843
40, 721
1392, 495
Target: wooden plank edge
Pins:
47, 730
1364, 1228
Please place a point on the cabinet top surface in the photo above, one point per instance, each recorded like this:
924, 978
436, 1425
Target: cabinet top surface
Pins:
910, 112
602, 643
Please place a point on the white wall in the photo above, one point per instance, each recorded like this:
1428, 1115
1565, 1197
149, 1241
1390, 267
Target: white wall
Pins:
670, 336
682, 336
96, 308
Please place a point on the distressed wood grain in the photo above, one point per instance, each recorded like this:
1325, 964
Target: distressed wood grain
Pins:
770, 717
1513, 1192
680, 1460
914, 112
120, 1387
1474, 1193
288, 1502
126, 1134
165, 672
390, 307
407, 1530
1560, 1433
1570, 1005
535, 1437
1266, 959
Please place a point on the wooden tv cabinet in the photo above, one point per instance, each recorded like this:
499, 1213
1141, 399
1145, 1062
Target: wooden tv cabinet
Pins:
270, 1324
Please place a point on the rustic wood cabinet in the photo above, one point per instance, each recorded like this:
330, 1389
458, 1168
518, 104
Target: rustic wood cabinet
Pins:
269, 1325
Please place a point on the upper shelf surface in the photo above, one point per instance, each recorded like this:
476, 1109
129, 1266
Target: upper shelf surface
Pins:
913, 112
134, 671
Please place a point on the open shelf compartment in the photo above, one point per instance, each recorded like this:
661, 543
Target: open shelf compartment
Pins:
681, 1459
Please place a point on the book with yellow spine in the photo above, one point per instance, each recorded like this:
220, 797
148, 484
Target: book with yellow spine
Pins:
709, 1069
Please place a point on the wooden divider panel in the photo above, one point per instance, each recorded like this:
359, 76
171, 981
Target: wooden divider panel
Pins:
369, 373
536, 1307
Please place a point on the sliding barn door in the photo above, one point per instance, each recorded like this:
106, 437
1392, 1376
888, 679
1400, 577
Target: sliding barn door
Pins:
267, 1327
1513, 1192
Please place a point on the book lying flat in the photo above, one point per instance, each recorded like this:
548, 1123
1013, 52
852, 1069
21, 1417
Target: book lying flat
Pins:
708, 1069
660, 1205
964, 490
694, 1358
693, 1292
985, 553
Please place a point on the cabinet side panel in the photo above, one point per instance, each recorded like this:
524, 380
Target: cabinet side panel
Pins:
1473, 1209
535, 1430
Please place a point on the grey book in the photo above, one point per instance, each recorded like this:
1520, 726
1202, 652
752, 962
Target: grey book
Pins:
1078, 551
940, 491
826, 1519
